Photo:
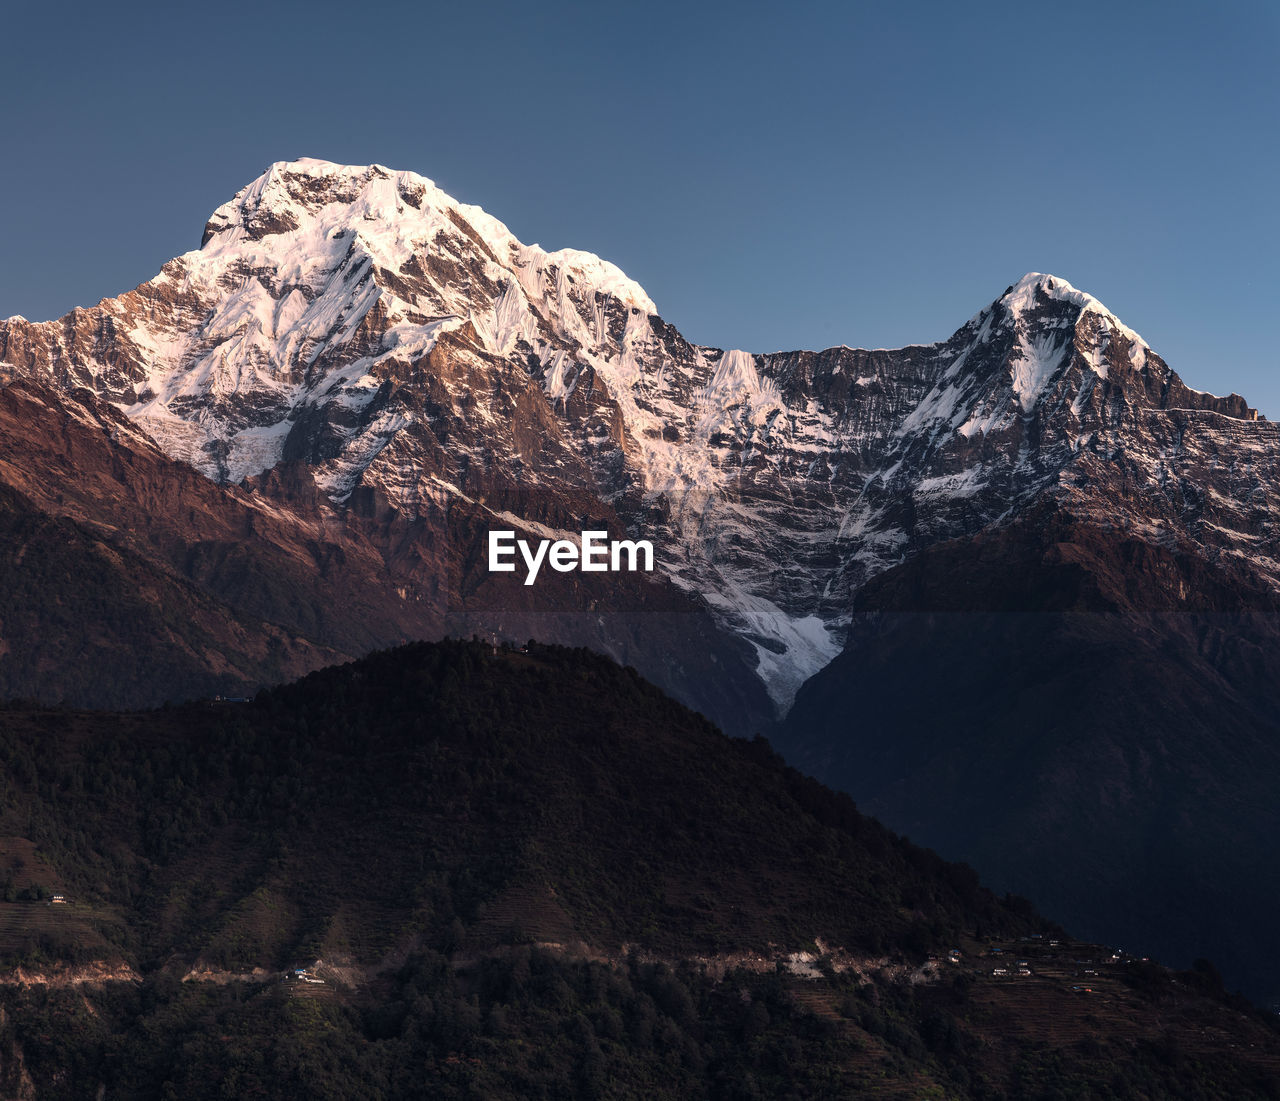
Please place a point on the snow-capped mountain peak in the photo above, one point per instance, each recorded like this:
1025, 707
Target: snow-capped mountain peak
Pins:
391, 210
1034, 288
309, 286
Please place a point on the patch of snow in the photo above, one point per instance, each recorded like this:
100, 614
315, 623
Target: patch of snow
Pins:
254, 450
963, 484
1039, 360
797, 646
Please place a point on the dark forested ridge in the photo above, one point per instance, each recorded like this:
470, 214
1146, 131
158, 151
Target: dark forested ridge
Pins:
1087, 719
516, 875
419, 784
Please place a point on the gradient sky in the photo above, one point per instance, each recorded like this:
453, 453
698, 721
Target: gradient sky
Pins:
774, 176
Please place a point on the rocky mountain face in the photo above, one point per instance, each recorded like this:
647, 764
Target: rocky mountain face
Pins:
353, 347
131, 579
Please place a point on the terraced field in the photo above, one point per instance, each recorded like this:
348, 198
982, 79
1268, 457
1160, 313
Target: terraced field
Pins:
311, 989
25, 926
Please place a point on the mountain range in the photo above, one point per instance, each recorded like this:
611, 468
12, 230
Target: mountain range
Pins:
1000, 577
355, 349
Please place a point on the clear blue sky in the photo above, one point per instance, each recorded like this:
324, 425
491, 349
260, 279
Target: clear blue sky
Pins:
775, 176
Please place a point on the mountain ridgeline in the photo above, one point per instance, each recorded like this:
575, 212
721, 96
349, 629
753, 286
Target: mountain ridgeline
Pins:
377, 374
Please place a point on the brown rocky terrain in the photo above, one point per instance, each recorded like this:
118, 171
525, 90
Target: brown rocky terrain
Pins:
157, 584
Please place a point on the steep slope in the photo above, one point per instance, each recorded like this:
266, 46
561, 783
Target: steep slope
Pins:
1087, 718
96, 606
131, 542
84, 621
518, 874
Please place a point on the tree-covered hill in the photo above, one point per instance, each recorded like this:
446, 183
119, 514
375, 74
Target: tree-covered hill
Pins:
522, 874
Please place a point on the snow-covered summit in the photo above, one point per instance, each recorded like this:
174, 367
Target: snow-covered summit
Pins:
1032, 288
310, 284
297, 197
1023, 293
